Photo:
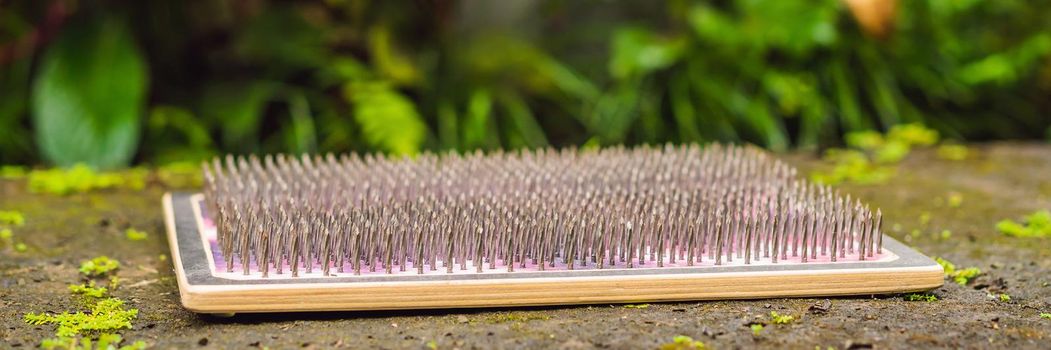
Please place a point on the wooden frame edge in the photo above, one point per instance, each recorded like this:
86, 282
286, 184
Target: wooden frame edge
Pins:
558, 291
293, 297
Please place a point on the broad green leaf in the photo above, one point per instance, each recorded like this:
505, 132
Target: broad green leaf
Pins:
88, 95
389, 121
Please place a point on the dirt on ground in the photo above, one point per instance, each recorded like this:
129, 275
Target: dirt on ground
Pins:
995, 182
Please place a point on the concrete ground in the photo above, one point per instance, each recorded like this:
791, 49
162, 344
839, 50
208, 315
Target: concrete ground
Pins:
997, 181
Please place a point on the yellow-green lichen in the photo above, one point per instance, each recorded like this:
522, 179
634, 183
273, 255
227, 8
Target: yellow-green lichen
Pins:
636, 306
1046, 315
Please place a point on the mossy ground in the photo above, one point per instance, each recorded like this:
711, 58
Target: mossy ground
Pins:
995, 182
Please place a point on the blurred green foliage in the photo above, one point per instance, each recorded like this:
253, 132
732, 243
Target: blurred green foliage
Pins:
108, 83
1037, 224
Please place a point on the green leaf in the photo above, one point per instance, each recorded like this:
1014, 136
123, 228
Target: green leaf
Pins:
523, 120
637, 51
389, 121
614, 112
88, 97
476, 127
15, 141
389, 60
281, 40
850, 114
448, 133
795, 26
683, 110
303, 136
238, 109
175, 134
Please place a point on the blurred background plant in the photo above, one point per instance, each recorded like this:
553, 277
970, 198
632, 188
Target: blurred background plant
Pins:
113, 83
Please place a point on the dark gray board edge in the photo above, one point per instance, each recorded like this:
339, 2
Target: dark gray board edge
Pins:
194, 260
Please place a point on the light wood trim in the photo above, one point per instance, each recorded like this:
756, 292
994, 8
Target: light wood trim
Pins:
554, 291
542, 291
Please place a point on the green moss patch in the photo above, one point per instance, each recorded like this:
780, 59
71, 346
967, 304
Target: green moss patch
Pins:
80, 179
106, 341
682, 342
962, 276
106, 315
757, 329
928, 297
777, 318
12, 217
135, 235
99, 266
1037, 224
12, 172
953, 152
870, 156
88, 290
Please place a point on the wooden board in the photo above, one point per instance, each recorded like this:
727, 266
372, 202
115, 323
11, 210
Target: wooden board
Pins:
203, 290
